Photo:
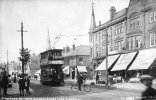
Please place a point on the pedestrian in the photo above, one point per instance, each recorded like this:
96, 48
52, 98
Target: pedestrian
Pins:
5, 82
0, 83
97, 78
80, 80
27, 85
14, 78
149, 93
21, 83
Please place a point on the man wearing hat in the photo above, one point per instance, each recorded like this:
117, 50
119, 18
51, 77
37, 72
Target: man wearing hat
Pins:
5, 82
149, 93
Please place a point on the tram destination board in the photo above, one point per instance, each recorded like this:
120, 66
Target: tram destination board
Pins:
56, 62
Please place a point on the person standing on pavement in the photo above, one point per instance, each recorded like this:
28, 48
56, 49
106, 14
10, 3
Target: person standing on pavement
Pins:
21, 83
5, 82
0, 83
27, 84
97, 78
149, 93
14, 78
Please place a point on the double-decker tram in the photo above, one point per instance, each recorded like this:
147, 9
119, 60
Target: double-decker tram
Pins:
51, 67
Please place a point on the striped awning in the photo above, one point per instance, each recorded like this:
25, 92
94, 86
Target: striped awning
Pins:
124, 61
81, 68
111, 60
144, 59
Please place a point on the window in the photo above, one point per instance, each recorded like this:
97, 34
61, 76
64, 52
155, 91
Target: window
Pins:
91, 38
118, 45
104, 34
96, 35
152, 16
103, 50
91, 52
80, 59
153, 39
134, 23
118, 28
134, 42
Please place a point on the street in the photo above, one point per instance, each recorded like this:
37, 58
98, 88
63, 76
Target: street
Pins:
97, 93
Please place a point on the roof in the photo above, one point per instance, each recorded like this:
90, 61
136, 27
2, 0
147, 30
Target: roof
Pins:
51, 50
120, 13
79, 50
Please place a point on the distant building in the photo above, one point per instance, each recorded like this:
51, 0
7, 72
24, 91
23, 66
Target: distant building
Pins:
76, 56
34, 64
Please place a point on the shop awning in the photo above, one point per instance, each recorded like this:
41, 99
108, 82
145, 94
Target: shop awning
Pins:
144, 59
66, 70
111, 60
81, 68
123, 61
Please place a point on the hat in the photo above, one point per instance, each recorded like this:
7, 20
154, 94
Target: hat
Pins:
146, 78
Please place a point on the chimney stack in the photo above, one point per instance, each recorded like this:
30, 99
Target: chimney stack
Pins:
73, 46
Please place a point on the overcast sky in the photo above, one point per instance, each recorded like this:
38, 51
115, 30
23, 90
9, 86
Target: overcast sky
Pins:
65, 17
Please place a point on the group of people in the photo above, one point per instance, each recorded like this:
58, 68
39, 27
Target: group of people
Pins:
24, 84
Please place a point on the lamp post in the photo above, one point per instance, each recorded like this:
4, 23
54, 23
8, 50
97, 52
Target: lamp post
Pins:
107, 57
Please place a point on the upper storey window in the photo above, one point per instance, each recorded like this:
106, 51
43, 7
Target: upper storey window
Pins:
152, 16
118, 28
152, 39
134, 23
134, 20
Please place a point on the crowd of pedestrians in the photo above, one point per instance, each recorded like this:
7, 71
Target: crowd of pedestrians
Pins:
24, 84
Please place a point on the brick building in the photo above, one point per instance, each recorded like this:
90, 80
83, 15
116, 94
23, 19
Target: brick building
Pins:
128, 35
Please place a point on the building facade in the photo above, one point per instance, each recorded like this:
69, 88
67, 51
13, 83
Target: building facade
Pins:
76, 56
129, 30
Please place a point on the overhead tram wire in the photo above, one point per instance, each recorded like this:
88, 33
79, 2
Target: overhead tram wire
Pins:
59, 36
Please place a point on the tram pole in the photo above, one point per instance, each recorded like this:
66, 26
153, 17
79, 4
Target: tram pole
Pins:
22, 47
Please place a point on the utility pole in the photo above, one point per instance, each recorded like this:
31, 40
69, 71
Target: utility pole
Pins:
22, 47
107, 56
7, 63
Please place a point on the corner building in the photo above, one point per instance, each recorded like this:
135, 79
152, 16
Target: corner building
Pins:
130, 35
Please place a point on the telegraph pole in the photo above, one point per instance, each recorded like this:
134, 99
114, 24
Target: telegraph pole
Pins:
22, 47
7, 63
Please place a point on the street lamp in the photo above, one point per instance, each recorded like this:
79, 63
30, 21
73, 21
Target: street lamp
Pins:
107, 56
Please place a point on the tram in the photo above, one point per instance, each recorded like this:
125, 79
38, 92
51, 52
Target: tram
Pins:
51, 67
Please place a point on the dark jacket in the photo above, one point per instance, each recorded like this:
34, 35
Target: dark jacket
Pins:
149, 94
5, 81
80, 79
97, 77
21, 83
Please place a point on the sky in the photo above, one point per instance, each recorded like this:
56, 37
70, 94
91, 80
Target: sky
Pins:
69, 18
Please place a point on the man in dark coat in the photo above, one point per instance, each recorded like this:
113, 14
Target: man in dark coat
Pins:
27, 84
5, 82
21, 83
97, 78
0, 83
80, 80
149, 93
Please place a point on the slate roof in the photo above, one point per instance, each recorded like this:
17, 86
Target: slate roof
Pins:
120, 13
79, 50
